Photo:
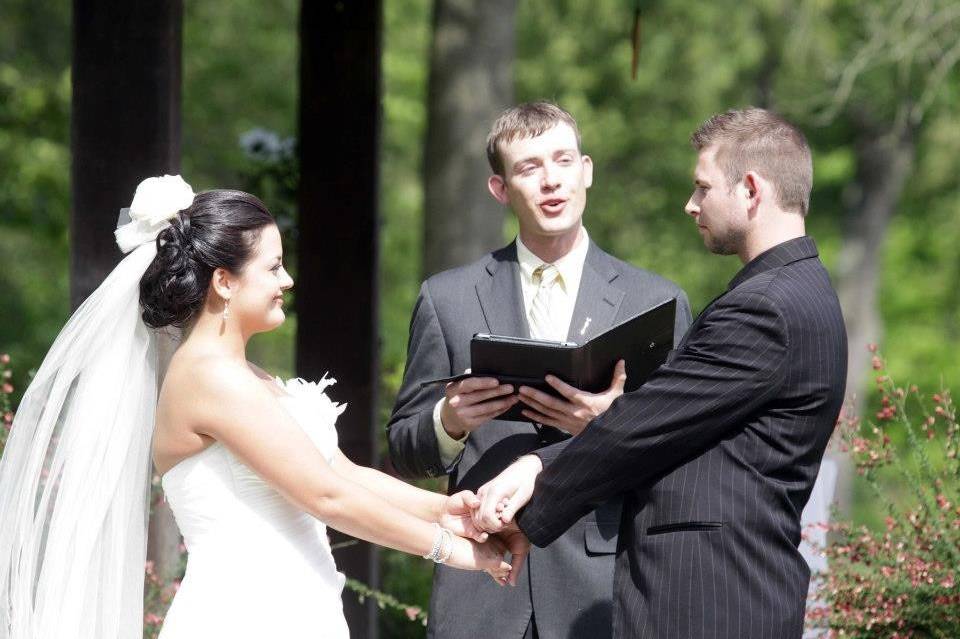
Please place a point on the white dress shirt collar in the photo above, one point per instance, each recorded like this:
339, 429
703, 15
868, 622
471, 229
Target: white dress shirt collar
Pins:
570, 265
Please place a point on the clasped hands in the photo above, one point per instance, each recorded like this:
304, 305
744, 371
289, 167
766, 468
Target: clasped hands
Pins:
488, 516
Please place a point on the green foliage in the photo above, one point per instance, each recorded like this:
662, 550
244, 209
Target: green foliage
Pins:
406, 42
239, 72
34, 189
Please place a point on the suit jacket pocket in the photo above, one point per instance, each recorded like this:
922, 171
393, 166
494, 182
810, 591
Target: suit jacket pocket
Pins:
600, 538
686, 526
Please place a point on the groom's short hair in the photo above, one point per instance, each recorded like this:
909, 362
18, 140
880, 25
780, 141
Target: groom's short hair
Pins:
758, 140
527, 120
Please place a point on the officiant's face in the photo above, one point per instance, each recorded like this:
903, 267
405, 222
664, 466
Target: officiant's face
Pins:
719, 214
258, 299
545, 182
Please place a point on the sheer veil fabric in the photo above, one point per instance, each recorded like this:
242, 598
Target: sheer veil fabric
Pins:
75, 475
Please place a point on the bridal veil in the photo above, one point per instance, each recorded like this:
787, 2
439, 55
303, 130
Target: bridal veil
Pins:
75, 475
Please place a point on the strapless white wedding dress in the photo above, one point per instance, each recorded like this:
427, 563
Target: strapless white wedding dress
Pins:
257, 566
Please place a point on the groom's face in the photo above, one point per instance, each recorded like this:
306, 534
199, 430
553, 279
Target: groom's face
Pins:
545, 182
714, 205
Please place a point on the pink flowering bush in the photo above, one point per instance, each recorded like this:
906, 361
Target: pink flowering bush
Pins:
6, 404
900, 581
157, 596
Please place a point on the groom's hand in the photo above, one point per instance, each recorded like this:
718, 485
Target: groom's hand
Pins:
472, 402
576, 408
505, 494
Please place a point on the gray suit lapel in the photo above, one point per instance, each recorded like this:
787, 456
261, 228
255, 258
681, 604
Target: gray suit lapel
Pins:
598, 300
500, 295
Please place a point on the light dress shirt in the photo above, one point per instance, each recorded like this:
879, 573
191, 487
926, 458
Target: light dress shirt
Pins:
563, 297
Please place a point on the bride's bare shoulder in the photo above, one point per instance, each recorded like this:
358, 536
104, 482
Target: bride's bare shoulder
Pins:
201, 397
202, 374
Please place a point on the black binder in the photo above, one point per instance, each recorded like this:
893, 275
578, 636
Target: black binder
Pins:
643, 341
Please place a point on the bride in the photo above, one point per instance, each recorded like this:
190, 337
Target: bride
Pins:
249, 463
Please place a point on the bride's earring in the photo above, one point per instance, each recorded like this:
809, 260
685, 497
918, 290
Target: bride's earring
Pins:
226, 310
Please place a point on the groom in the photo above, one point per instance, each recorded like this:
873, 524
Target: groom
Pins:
717, 453
553, 283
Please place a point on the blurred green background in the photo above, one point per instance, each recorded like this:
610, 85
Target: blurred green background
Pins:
855, 77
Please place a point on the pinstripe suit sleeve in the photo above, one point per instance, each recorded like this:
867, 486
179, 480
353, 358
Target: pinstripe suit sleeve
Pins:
729, 367
682, 319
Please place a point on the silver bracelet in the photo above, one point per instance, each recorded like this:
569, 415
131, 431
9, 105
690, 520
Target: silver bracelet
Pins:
448, 549
442, 545
434, 553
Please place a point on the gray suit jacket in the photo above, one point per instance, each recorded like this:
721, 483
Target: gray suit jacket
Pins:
569, 585
716, 454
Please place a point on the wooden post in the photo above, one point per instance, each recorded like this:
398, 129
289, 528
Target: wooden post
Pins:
125, 126
125, 121
339, 131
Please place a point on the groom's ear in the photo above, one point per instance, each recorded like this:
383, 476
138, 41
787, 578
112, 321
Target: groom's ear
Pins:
498, 188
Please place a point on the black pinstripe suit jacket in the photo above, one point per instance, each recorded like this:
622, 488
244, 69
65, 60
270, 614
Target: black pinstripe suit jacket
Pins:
716, 455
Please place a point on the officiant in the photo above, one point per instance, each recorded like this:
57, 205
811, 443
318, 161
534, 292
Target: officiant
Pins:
553, 283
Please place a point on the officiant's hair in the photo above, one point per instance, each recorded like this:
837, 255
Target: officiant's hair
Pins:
219, 230
527, 120
754, 139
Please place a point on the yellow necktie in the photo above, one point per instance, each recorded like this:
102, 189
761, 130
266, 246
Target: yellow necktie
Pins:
541, 323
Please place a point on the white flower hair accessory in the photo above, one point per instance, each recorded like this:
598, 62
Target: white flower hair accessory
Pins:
156, 201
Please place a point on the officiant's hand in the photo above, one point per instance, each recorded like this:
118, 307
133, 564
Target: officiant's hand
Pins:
576, 408
472, 402
505, 494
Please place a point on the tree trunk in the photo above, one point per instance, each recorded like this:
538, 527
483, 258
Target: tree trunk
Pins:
338, 253
471, 82
125, 126
884, 160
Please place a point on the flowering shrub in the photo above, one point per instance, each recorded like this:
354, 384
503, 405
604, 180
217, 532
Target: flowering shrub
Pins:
900, 581
157, 596
384, 601
6, 405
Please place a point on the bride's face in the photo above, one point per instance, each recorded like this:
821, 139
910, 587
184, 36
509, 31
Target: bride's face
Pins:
257, 302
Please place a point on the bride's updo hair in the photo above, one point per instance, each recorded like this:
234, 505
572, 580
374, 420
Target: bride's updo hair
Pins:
219, 230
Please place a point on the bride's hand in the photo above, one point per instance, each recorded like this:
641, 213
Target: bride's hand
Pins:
457, 516
488, 556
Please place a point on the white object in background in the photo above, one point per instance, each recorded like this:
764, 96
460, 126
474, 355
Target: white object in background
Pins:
812, 524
